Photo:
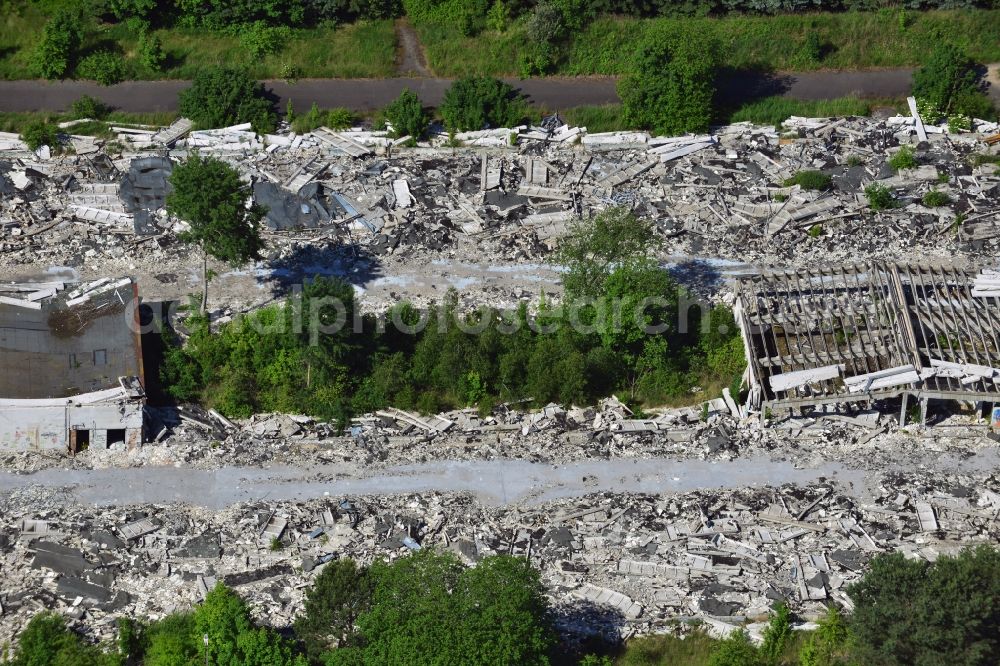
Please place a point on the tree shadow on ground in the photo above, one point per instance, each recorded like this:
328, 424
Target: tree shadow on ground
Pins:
697, 275
354, 264
737, 87
586, 628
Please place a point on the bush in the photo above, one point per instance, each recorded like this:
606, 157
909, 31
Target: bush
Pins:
473, 103
934, 198
904, 159
812, 48
945, 77
150, 52
810, 180
57, 48
815, 231
827, 644
336, 118
88, 107
40, 133
546, 24
879, 197
340, 118
259, 39
222, 96
407, 116
959, 123
498, 17
105, 67
673, 86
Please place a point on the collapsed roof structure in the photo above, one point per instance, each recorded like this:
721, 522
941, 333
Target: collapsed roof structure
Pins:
72, 366
856, 333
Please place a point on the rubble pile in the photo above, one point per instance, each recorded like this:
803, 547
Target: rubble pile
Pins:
720, 195
622, 563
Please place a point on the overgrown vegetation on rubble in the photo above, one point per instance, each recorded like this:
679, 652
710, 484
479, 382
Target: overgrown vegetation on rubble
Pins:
624, 328
428, 608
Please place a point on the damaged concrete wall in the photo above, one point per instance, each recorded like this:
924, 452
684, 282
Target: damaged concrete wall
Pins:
25, 427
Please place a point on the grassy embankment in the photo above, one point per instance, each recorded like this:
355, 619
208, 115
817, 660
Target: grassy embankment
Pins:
849, 40
364, 49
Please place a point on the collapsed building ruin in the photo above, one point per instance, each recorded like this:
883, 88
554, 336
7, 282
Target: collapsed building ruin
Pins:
847, 334
71, 366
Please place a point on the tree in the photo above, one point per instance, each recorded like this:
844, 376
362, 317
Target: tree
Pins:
232, 638
777, 635
407, 115
210, 196
918, 612
672, 87
594, 247
429, 608
949, 81
222, 96
338, 596
170, 641
475, 102
505, 613
57, 48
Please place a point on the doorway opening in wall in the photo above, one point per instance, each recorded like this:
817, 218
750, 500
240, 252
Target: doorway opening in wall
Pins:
116, 436
82, 440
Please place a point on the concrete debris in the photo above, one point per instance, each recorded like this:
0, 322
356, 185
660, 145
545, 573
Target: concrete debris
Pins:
719, 195
624, 561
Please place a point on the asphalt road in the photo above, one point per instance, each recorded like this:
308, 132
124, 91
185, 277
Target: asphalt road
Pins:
366, 94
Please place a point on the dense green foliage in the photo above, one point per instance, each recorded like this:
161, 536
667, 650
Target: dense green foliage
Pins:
210, 196
105, 67
429, 608
619, 330
41, 133
476, 102
949, 83
57, 49
89, 107
47, 641
338, 596
949, 613
223, 96
608, 45
407, 115
810, 180
672, 87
